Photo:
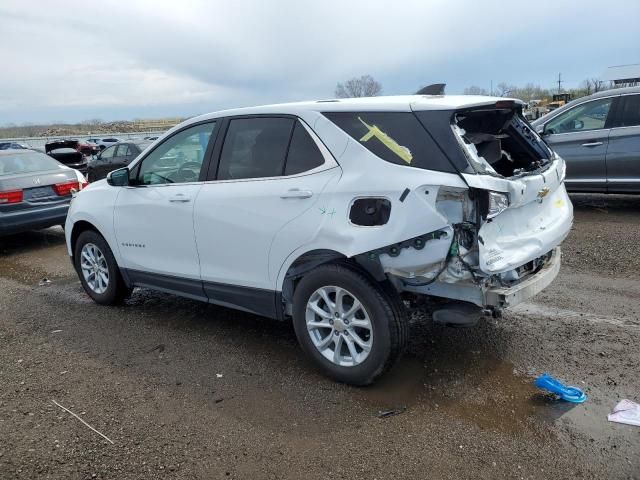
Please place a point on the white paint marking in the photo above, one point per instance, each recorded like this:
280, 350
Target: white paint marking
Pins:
67, 410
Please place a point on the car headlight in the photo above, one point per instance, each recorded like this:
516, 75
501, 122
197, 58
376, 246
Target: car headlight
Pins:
498, 203
562, 169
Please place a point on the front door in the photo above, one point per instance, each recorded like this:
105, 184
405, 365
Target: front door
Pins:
581, 136
103, 163
154, 217
271, 171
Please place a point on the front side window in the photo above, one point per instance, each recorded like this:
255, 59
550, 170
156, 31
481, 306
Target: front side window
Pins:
397, 137
178, 159
255, 148
587, 116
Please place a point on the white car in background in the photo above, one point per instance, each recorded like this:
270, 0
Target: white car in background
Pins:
103, 142
334, 214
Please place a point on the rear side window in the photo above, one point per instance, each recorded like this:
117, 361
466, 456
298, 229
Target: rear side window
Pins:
108, 152
397, 137
255, 148
123, 150
630, 111
303, 153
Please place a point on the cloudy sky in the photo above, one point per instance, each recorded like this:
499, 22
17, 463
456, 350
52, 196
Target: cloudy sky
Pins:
77, 60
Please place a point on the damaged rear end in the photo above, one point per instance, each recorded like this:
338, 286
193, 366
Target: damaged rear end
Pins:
506, 227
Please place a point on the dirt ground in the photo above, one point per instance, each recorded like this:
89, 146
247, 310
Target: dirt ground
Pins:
188, 390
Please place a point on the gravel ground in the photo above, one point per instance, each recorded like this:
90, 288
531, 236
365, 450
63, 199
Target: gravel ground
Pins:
188, 390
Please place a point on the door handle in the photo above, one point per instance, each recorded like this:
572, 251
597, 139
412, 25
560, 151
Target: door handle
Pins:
297, 193
179, 198
592, 144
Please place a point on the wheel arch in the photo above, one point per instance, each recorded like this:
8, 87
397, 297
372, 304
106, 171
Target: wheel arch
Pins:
79, 227
311, 259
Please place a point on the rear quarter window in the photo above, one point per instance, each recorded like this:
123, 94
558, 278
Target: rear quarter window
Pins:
397, 137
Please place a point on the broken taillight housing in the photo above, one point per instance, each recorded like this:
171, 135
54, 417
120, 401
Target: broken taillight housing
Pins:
498, 203
68, 188
13, 196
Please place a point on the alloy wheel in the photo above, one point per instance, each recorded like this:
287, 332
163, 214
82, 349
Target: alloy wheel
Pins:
339, 326
94, 268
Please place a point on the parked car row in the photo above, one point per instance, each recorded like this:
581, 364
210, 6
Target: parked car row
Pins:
35, 190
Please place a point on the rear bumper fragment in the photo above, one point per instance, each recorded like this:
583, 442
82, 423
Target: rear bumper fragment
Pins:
496, 297
504, 297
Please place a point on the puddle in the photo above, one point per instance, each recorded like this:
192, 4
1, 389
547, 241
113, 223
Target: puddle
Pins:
482, 390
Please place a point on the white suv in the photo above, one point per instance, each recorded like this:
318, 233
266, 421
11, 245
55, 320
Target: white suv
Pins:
334, 214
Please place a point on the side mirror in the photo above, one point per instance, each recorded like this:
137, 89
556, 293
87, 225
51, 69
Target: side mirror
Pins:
118, 178
540, 129
578, 124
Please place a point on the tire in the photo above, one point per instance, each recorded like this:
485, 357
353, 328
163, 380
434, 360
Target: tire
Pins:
114, 290
385, 338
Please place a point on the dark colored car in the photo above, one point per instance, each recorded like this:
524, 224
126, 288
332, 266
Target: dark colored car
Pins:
13, 146
35, 190
69, 152
599, 138
114, 157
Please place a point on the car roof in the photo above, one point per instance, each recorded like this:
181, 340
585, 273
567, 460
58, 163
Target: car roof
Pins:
400, 103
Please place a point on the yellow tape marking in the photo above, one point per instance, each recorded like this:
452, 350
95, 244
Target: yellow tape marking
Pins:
403, 152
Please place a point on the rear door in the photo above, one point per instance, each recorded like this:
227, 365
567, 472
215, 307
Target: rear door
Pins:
623, 154
580, 136
271, 170
153, 218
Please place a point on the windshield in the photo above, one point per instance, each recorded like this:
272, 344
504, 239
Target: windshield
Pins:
26, 162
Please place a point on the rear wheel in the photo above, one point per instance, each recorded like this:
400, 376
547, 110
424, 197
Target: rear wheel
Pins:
98, 270
349, 325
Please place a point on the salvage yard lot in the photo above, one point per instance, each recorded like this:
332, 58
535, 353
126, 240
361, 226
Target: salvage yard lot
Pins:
187, 390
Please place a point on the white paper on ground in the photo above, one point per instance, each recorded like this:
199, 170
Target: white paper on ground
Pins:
627, 412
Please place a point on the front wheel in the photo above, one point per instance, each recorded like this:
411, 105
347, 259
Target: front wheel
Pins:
98, 270
351, 327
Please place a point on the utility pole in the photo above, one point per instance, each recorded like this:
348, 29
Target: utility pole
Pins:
491, 93
560, 83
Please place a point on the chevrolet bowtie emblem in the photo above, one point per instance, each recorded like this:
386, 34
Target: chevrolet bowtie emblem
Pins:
543, 193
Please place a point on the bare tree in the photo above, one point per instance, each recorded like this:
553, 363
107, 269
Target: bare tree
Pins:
475, 90
587, 86
598, 85
504, 90
365, 86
